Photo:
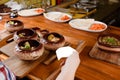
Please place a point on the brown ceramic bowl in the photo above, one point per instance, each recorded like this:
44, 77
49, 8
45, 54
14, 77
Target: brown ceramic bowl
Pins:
53, 41
25, 34
29, 49
14, 25
109, 42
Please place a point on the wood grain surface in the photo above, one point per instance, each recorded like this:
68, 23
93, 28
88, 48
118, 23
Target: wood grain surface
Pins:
90, 68
112, 57
21, 68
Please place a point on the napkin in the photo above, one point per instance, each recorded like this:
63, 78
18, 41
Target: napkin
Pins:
71, 64
64, 52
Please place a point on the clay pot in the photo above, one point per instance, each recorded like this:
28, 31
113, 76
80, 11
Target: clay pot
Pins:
29, 49
53, 40
14, 25
109, 42
25, 34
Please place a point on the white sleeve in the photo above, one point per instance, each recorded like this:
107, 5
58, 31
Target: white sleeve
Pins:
70, 67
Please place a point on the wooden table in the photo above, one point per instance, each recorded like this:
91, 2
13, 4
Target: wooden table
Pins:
90, 68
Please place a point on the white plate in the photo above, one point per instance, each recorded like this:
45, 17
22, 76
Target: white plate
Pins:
4, 13
85, 24
56, 16
31, 12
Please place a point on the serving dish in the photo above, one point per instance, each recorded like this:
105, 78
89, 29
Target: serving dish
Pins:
29, 49
13, 25
109, 42
57, 16
25, 34
89, 25
53, 40
31, 12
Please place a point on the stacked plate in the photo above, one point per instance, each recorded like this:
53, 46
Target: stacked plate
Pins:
31, 12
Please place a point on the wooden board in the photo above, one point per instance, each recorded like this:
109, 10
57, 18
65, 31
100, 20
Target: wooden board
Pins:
21, 68
111, 57
4, 34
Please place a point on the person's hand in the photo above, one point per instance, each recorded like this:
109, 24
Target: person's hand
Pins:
69, 67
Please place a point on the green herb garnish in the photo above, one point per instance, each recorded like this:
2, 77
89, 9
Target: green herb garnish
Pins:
26, 46
53, 38
110, 40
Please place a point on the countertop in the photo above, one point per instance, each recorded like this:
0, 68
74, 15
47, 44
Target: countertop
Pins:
89, 68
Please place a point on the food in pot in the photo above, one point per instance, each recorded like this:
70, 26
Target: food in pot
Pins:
14, 25
25, 34
109, 42
29, 49
26, 46
53, 40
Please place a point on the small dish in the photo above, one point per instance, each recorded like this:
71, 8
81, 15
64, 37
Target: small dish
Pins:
25, 34
4, 13
31, 12
58, 16
89, 25
53, 41
29, 49
13, 25
109, 42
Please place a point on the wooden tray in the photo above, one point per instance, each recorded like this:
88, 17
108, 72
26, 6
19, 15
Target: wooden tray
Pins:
111, 57
20, 67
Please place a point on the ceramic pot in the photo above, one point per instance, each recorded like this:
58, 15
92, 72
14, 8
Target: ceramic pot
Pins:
25, 34
29, 49
14, 25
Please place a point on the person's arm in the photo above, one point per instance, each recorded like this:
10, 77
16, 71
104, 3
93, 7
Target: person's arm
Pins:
5, 73
69, 68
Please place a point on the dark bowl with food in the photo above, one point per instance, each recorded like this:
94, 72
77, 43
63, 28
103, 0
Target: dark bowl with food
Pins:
53, 41
25, 34
29, 49
109, 42
4, 10
14, 25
